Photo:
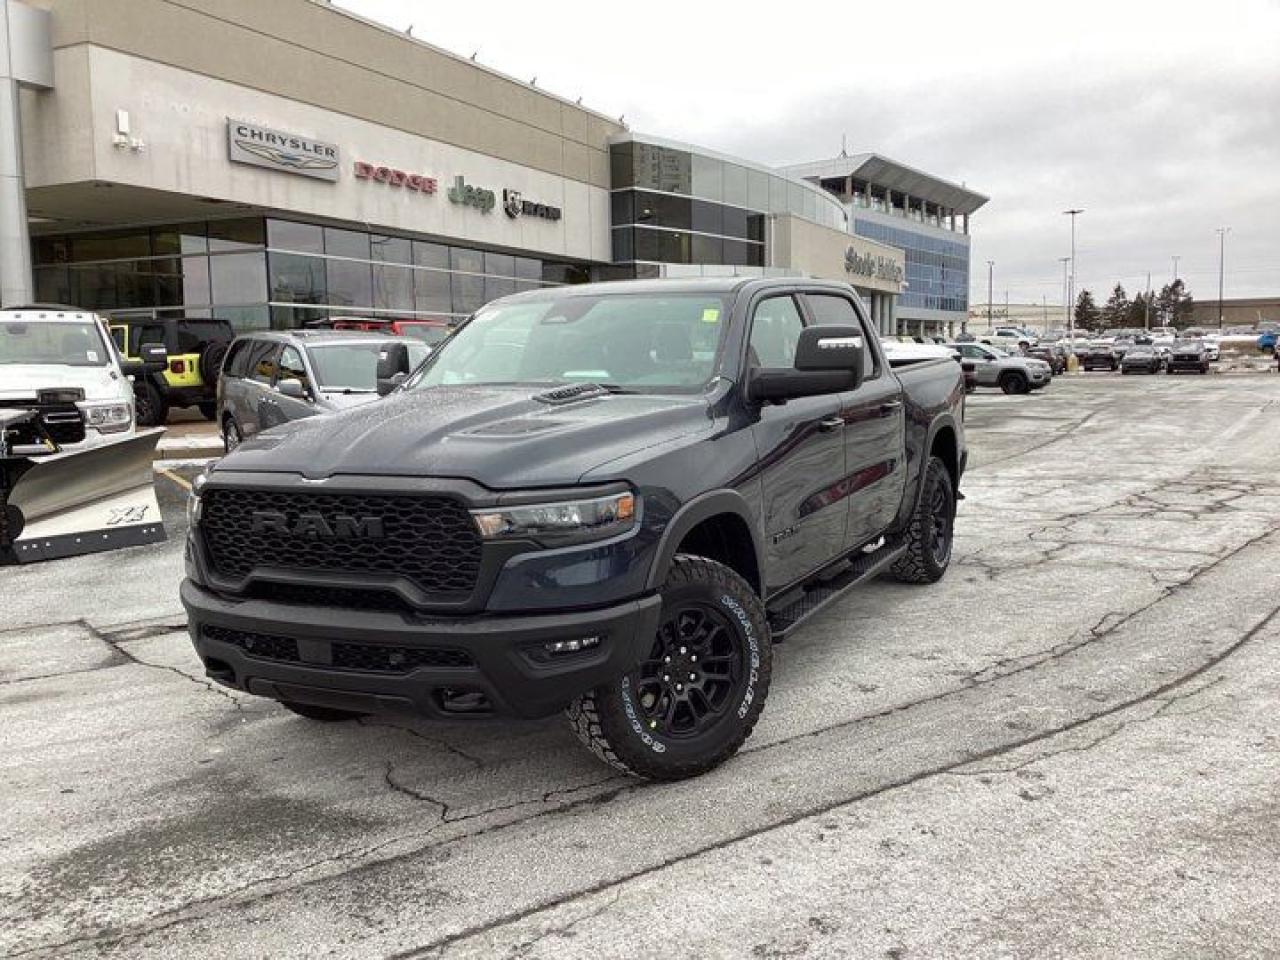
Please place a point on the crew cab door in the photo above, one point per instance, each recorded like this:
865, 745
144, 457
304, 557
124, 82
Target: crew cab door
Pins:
800, 448
874, 429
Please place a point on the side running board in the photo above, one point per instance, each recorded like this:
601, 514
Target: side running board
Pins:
863, 566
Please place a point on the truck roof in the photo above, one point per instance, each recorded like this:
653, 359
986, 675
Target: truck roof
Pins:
47, 312
704, 285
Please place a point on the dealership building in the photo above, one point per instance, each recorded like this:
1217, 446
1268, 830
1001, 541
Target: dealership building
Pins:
277, 163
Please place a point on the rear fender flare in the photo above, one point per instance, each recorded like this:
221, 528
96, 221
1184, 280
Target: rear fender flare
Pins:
944, 420
689, 516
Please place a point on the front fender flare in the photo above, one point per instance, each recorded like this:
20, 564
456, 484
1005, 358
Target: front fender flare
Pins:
694, 512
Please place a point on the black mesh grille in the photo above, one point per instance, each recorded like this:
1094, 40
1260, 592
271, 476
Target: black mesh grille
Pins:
263, 646
380, 659
348, 598
429, 539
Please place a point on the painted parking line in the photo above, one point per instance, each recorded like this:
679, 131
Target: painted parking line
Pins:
180, 481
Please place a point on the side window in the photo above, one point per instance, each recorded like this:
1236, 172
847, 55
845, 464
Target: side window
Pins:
118, 335
775, 329
236, 363
140, 333
828, 308
292, 367
262, 361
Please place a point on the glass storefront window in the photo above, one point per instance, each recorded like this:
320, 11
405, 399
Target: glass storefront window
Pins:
238, 278
736, 189
662, 168
93, 286
390, 249
110, 246
708, 177
757, 190
393, 287
166, 277
495, 287
500, 264
472, 261
431, 291
298, 279
468, 292
195, 281
350, 281
244, 319
735, 222
707, 249
622, 207
621, 166
755, 227
430, 255
346, 243
245, 234
53, 285
624, 248
184, 238
707, 218
297, 237
528, 268
663, 246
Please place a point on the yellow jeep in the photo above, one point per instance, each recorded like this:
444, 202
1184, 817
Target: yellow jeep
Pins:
196, 347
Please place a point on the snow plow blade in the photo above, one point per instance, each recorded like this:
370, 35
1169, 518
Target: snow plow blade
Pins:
84, 501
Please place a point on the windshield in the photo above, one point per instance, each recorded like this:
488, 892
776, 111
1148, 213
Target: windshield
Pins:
426, 333
73, 344
1186, 345
647, 343
996, 352
357, 366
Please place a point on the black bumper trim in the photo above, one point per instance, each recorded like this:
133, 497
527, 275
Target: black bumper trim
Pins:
504, 650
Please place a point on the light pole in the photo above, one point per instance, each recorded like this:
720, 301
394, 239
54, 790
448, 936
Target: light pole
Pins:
1071, 288
1222, 260
991, 266
1175, 267
1146, 305
1066, 294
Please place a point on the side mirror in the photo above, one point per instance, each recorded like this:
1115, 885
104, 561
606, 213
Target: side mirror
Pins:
388, 385
293, 389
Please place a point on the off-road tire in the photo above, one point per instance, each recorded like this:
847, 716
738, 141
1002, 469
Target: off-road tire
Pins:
208, 409
1014, 383
320, 714
601, 720
150, 406
210, 363
921, 563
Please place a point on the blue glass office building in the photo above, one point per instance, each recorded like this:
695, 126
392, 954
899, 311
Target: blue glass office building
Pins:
922, 215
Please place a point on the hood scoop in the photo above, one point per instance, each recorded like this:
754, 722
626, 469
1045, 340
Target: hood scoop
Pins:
515, 428
574, 391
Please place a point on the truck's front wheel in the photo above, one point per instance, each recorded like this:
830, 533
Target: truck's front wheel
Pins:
930, 533
694, 699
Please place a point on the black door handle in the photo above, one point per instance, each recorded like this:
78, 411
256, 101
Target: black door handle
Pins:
831, 423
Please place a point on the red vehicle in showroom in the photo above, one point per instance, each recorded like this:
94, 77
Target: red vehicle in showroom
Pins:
429, 330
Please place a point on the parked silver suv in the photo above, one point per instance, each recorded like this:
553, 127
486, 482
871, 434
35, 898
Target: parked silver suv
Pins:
994, 368
272, 377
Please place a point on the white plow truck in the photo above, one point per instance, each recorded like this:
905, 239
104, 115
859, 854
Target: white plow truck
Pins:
75, 474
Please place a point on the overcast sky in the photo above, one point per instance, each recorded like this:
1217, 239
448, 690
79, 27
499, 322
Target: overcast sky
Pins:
1161, 120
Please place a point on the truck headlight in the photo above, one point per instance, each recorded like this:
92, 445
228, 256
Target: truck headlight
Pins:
112, 417
567, 521
194, 508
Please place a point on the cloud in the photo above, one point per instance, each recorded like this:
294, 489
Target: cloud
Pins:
1162, 121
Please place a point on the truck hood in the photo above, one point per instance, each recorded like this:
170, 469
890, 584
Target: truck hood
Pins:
21, 381
499, 437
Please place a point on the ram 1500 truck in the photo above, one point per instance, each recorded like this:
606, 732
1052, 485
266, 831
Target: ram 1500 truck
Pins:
608, 499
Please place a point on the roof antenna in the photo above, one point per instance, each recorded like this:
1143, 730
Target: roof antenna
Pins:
844, 150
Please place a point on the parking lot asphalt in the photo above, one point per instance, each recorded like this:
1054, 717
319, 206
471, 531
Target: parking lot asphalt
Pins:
1067, 748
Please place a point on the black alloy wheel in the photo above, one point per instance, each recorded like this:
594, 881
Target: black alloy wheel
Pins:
695, 696
692, 673
149, 407
931, 531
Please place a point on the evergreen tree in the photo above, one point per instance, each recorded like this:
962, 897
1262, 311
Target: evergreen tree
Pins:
1088, 316
1116, 311
1138, 315
1174, 304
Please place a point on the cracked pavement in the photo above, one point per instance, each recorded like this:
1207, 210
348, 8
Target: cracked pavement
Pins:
1068, 747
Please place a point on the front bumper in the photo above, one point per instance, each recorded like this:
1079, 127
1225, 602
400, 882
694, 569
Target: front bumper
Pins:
1195, 363
497, 661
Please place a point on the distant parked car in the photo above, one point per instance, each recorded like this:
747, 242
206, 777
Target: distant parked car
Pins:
1011, 338
1100, 356
1055, 354
1267, 341
272, 377
430, 332
1189, 355
1142, 359
1213, 346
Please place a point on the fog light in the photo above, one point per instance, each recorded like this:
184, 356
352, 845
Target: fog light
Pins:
571, 646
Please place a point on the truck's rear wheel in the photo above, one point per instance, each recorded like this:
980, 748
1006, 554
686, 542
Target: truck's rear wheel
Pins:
693, 701
930, 532
1014, 383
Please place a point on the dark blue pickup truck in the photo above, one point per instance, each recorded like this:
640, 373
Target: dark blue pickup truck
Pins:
609, 499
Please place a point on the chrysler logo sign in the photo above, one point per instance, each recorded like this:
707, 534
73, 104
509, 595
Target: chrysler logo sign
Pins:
258, 146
